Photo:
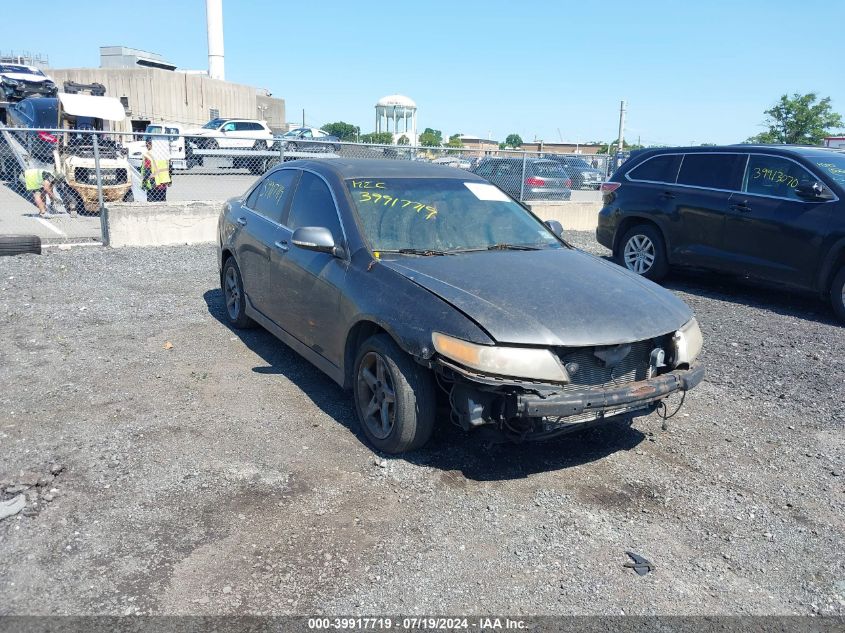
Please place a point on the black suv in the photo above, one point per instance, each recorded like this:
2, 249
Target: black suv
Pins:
774, 213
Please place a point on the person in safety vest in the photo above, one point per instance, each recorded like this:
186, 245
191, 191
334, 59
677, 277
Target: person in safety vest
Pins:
155, 175
39, 182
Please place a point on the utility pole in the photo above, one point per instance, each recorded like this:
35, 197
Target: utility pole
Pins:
621, 143
303, 117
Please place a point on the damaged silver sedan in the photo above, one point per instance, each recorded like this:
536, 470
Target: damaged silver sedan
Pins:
430, 294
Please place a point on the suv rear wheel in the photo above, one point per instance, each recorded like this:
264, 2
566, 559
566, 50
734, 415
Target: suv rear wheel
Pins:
394, 397
837, 294
642, 251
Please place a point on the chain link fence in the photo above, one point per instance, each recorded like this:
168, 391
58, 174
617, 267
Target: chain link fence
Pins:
80, 172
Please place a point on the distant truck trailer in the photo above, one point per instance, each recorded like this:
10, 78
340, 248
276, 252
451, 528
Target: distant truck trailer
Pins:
835, 142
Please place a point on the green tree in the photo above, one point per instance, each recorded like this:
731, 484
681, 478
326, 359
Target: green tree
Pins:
455, 141
513, 140
403, 140
378, 138
800, 120
611, 148
344, 131
431, 138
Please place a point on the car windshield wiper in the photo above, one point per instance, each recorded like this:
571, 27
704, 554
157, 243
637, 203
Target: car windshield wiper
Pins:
425, 252
512, 247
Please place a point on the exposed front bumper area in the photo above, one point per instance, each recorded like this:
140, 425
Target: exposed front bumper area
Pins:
530, 409
631, 395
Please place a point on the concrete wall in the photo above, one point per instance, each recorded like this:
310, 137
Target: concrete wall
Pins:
171, 223
162, 223
160, 96
574, 216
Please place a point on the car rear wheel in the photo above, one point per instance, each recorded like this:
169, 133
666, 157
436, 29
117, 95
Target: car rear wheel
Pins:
394, 397
290, 147
233, 293
260, 145
642, 252
837, 294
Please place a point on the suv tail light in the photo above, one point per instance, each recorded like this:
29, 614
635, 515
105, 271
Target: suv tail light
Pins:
568, 183
608, 187
47, 137
533, 181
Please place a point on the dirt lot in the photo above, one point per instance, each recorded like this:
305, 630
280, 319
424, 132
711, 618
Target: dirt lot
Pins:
227, 475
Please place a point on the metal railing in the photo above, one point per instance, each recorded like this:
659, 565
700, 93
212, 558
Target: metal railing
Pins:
93, 169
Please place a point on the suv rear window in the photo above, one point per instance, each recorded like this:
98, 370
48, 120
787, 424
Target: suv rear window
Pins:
714, 171
663, 168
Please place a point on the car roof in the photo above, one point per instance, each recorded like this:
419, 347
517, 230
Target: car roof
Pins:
803, 150
382, 168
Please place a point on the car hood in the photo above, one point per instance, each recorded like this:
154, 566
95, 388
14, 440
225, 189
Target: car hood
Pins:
555, 297
26, 77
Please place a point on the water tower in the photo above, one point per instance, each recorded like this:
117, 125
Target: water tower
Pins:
402, 111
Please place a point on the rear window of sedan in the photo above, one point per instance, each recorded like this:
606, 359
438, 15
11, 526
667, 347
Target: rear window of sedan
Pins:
442, 215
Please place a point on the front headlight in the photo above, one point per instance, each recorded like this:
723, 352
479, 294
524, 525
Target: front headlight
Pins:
688, 343
518, 362
11, 82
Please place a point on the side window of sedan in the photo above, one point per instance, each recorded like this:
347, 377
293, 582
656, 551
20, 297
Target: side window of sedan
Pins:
270, 198
313, 205
774, 176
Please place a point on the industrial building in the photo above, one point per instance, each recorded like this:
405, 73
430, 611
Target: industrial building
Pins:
153, 90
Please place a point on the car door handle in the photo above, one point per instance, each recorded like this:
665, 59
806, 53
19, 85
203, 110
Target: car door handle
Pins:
742, 207
241, 221
668, 195
282, 245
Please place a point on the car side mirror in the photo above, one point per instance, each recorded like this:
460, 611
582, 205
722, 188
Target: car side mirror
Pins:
813, 191
316, 238
555, 227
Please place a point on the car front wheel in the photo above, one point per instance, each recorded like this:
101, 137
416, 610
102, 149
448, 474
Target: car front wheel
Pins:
394, 397
233, 293
642, 252
837, 294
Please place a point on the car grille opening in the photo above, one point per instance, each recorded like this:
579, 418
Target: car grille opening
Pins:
590, 371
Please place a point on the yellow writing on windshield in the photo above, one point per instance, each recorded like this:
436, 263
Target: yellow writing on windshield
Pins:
390, 201
367, 184
272, 190
833, 169
775, 175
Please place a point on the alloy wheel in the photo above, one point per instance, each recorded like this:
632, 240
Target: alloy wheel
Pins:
639, 254
376, 395
233, 293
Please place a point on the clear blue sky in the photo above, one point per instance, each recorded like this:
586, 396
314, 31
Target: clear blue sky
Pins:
691, 72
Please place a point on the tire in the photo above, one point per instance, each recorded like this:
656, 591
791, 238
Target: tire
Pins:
290, 147
642, 251
273, 162
212, 144
260, 145
837, 294
20, 244
381, 368
129, 196
233, 294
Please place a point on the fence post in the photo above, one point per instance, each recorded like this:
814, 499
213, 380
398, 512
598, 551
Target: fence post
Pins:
522, 181
104, 230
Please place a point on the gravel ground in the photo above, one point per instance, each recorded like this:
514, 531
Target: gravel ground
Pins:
173, 466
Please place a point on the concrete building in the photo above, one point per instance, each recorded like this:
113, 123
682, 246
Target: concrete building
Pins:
561, 148
477, 144
152, 91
